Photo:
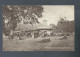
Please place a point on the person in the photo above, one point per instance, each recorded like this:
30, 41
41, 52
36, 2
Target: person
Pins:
11, 35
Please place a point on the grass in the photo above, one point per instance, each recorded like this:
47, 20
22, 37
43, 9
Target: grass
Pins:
35, 45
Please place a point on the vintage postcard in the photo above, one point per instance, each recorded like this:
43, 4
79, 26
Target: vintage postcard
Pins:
38, 27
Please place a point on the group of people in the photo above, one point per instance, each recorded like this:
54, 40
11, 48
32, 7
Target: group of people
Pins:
17, 35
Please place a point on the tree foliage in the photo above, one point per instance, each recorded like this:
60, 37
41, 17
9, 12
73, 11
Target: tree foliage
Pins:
52, 25
15, 13
65, 25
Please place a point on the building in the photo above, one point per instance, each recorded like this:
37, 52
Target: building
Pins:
34, 30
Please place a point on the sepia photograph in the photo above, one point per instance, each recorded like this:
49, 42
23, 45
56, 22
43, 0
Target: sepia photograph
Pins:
38, 28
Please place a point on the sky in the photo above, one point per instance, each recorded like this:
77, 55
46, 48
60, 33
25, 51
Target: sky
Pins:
52, 13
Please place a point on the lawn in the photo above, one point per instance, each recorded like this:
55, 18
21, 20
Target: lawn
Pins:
35, 44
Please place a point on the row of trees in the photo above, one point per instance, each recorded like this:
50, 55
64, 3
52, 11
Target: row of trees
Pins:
65, 25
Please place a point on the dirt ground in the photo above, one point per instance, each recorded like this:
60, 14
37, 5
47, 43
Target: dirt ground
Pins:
34, 44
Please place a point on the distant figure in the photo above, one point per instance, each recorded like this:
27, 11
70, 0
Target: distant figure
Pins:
42, 34
17, 35
11, 35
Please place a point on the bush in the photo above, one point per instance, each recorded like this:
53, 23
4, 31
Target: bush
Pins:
44, 40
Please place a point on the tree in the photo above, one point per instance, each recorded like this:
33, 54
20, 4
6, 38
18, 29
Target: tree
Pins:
65, 25
12, 13
52, 25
